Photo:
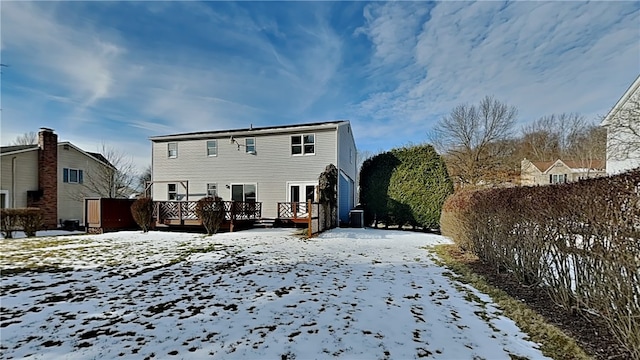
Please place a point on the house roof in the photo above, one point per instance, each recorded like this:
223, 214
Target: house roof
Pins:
5, 150
99, 157
543, 166
633, 88
14, 149
252, 131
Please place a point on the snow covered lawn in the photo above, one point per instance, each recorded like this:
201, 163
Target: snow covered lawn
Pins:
350, 293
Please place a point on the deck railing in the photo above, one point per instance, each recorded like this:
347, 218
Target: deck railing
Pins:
302, 213
293, 210
179, 211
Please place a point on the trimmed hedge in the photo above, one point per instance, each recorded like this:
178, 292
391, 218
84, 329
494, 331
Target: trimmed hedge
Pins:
211, 211
578, 241
28, 220
142, 211
404, 186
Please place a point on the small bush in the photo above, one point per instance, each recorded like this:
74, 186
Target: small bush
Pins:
211, 211
8, 222
142, 211
28, 220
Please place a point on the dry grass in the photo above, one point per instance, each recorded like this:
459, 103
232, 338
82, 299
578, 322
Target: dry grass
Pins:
554, 343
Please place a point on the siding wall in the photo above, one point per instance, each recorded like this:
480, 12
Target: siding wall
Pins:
71, 195
25, 177
347, 164
619, 161
270, 168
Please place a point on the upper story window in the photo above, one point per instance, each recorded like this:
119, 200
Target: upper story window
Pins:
172, 150
72, 176
250, 145
303, 144
212, 148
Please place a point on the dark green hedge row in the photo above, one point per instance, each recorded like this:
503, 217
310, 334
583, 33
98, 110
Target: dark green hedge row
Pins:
404, 186
578, 241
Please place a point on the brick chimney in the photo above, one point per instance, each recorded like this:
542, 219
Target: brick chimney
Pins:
48, 177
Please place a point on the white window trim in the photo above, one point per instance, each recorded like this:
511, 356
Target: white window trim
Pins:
301, 184
207, 147
243, 194
169, 150
216, 186
246, 146
561, 178
6, 198
69, 176
169, 192
303, 153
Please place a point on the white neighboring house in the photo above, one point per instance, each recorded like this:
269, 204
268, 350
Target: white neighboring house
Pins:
49, 175
623, 131
267, 165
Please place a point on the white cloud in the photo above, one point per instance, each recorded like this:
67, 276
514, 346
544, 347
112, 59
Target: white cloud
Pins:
80, 63
541, 57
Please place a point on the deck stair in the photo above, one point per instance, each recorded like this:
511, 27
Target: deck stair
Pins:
266, 223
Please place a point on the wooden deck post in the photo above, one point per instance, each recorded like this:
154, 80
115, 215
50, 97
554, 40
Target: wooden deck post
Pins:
232, 215
310, 215
157, 213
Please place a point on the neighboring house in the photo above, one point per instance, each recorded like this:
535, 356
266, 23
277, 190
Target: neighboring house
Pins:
623, 131
49, 175
267, 165
559, 171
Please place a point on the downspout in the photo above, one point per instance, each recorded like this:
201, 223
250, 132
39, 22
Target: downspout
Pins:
13, 181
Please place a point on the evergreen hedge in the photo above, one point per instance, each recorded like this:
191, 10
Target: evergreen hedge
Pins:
404, 186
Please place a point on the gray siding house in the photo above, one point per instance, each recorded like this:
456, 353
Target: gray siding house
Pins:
267, 165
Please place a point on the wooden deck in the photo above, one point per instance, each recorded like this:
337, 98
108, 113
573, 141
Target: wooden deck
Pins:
183, 213
237, 214
300, 213
296, 212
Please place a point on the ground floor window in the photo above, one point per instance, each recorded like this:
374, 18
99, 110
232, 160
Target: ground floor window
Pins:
212, 189
302, 192
244, 192
558, 178
172, 191
4, 199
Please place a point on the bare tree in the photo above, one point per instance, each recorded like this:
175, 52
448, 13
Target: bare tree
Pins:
144, 178
28, 138
623, 130
113, 177
588, 147
550, 137
474, 139
564, 136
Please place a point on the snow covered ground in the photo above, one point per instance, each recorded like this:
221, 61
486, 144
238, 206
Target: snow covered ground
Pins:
350, 293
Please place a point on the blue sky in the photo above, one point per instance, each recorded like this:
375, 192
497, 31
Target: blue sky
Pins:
119, 72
